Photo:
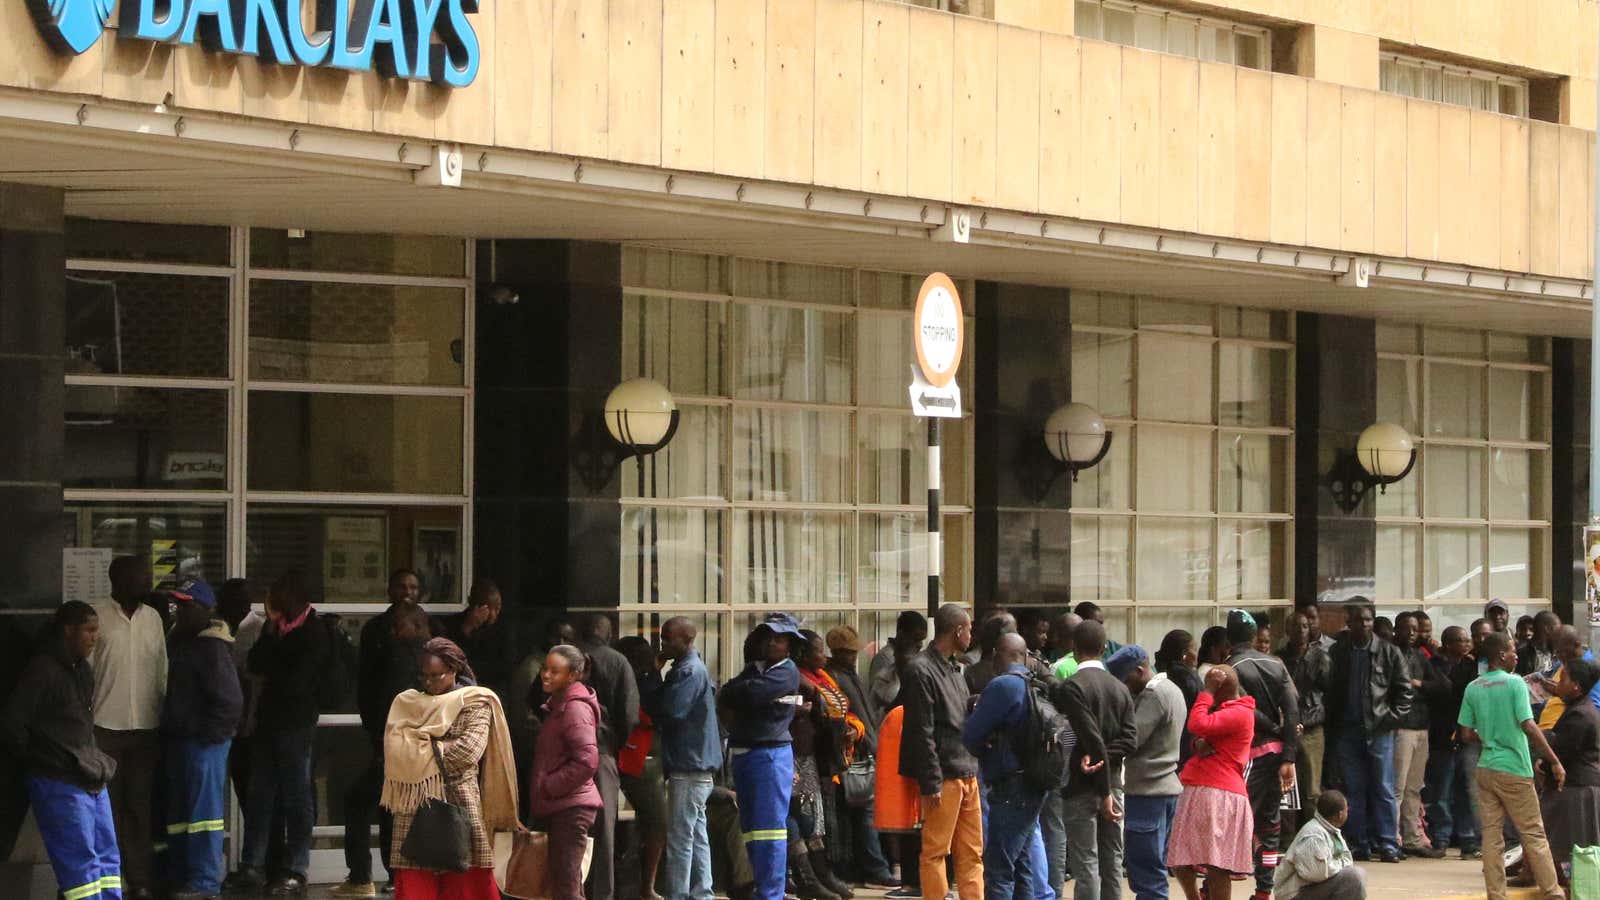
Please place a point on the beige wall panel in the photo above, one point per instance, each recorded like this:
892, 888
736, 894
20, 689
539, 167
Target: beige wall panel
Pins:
1345, 57
1179, 195
580, 78
1252, 183
836, 137
1054, 16
1576, 233
1216, 139
342, 99
1060, 124
1422, 179
885, 96
137, 71
974, 110
1389, 174
1139, 138
27, 61
1516, 27
467, 115
410, 108
1100, 184
1482, 191
1544, 198
271, 91
1477, 29
1391, 19
1324, 152
741, 87
1355, 170
1580, 95
929, 123
1288, 180
1552, 33
688, 83
1016, 138
790, 89
1513, 193
633, 119
524, 44
1454, 168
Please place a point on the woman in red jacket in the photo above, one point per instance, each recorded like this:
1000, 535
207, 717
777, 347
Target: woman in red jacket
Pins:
1212, 828
563, 794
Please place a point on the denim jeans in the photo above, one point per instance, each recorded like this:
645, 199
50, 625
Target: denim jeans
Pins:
280, 780
1009, 858
1034, 888
1450, 813
1147, 822
1367, 762
1094, 848
687, 863
1054, 829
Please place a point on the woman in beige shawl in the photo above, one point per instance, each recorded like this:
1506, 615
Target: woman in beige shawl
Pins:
478, 775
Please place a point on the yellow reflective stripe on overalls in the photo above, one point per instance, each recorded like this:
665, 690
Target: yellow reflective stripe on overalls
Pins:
195, 827
111, 882
766, 834
79, 893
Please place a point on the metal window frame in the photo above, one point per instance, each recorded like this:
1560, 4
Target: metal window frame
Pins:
1168, 13
1497, 79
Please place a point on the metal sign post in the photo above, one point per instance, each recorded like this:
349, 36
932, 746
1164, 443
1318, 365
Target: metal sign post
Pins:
938, 333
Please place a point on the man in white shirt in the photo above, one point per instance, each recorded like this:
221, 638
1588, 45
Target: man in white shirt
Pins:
130, 681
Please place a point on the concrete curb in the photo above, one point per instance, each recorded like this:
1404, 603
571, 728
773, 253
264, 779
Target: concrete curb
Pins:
1511, 894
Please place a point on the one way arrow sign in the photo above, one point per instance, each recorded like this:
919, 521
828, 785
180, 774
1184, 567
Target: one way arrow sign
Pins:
935, 402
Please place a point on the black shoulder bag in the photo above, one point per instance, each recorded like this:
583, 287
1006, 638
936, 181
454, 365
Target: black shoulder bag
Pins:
441, 833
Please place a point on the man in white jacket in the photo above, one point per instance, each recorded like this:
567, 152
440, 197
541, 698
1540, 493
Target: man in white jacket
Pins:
1318, 865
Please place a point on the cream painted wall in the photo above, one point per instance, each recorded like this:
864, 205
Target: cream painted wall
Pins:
887, 98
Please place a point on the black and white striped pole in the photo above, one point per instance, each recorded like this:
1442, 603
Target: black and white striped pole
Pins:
938, 331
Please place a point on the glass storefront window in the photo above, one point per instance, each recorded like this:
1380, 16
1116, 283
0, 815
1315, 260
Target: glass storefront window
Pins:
355, 442
356, 333
690, 466
672, 556
146, 323
795, 559
1175, 378
1102, 371
145, 438
1101, 558
148, 242
1174, 468
375, 254
785, 455
1176, 559
181, 540
347, 552
794, 354
675, 341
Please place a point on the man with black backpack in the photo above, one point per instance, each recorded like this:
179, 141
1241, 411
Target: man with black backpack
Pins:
999, 732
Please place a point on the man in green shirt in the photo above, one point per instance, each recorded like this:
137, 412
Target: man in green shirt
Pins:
1496, 713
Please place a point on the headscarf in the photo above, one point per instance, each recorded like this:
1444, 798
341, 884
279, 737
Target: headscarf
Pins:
453, 657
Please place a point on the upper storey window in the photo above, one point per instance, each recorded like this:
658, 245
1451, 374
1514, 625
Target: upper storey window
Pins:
1444, 83
1171, 31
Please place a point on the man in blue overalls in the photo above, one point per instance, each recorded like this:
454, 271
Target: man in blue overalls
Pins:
48, 726
761, 702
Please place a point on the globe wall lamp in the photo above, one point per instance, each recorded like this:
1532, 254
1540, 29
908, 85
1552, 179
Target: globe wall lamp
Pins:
1076, 435
1385, 454
641, 415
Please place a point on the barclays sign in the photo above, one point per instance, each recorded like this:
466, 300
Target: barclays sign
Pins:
420, 40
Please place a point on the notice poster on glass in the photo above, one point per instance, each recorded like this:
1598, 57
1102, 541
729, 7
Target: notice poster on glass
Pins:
85, 574
435, 553
354, 558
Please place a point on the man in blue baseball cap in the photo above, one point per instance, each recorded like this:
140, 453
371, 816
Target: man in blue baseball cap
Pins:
198, 720
1150, 772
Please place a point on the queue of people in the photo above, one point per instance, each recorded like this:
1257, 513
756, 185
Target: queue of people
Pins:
1021, 759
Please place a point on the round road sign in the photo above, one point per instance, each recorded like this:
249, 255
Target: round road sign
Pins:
939, 329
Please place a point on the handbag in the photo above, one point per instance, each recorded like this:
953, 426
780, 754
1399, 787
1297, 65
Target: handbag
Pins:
860, 781
522, 864
441, 832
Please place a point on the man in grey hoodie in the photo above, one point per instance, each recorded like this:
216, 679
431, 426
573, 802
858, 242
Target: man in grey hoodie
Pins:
1150, 772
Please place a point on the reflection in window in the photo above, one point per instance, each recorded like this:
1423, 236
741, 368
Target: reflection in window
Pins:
355, 442
142, 323
180, 540
145, 438
356, 333
347, 552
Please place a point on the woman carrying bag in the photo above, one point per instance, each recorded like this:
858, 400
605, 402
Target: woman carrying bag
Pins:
449, 781
563, 793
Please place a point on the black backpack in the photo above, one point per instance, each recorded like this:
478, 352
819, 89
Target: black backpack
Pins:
1045, 742
343, 664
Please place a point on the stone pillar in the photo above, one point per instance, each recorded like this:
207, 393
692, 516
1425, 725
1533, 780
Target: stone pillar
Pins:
1569, 476
1336, 370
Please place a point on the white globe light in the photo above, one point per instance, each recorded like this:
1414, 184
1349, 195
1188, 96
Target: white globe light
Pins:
1075, 433
639, 412
1384, 450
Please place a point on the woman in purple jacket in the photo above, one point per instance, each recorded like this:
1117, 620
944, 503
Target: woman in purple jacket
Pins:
563, 795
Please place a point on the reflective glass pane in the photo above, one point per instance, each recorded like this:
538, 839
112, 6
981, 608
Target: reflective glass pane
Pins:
1251, 559
671, 270
1102, 308
332, 251
1101, 558
1401, 498
1175, 469
1147, 30
1087, 23
339, 758
1453, 342
786, 353
356, 333
1516, 484
1454, 478
675, 341
1102, 372
1220, 43
671, 556
1253, 385
138, 323
1035, 556
347, 553
181, 540
794, 281
1252, 472
146, 438
1116, 25
1399, 338
1109, 483
1175, 378
1397, 549
892, 567
1516, 558
690, 466
1455, 400
1517, 348
1175, 560
1516, 405
707, 639
1453, 564
147, 242
1183, 36
791, 456
1170, 315
887, 358
1249, 50
893, 459
1155, 622
1255, 324
1400, 393
1119, 623
792, 559
891, 290
349, 442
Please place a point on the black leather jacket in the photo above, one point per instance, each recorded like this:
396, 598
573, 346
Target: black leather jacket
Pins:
1388, 694
1267, 679
1310, 673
